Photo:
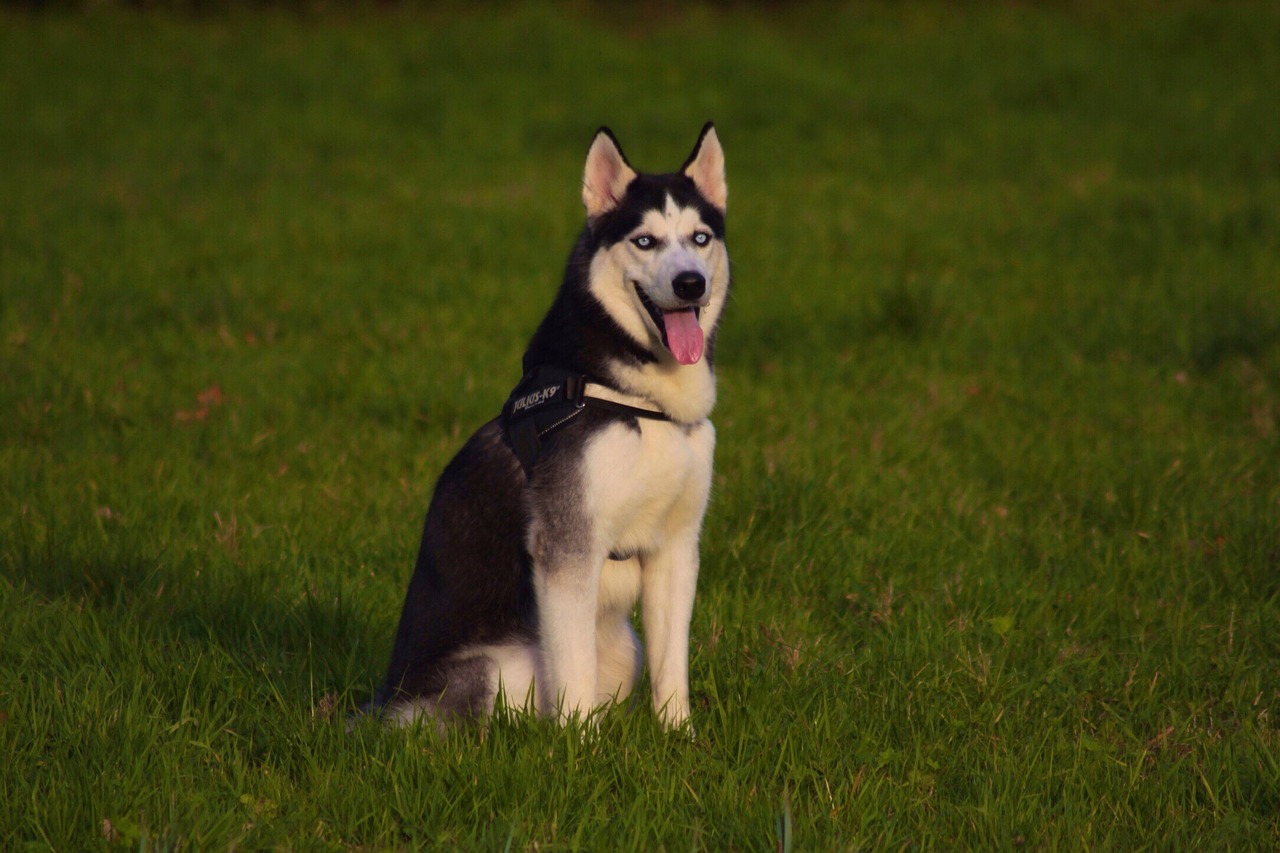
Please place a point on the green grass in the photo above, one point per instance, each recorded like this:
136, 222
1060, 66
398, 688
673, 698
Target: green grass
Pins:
994, 553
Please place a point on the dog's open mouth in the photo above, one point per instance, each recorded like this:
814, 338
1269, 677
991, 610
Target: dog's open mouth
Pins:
680, 331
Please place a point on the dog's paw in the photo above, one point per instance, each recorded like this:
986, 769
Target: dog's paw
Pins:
683, 730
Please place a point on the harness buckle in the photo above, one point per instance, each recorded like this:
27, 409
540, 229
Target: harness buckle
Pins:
575, 388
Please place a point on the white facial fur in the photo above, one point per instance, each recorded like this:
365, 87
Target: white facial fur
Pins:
616, 272
654, 269
686, 392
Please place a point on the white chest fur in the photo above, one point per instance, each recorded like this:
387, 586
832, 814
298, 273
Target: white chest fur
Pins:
643, 488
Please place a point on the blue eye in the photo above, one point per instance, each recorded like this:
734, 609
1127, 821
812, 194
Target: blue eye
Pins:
644, 241
701, 238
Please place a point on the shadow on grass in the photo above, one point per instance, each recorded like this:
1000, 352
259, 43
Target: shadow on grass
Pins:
310, 642
1230, 330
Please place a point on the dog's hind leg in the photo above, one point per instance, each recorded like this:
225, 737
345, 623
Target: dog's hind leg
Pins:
517, 675
618, 655
462, 689
618, 652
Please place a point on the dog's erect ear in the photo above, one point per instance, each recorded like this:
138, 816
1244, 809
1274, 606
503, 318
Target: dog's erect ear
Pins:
605, 178
706, 167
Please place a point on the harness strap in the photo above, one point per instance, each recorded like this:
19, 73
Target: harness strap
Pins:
549, 397
603, 397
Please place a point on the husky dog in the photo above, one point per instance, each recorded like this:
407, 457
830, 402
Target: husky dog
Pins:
588, 492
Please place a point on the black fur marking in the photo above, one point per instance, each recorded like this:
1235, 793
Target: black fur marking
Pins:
472, 583
577, 333
655, 313
468, 691
555, 490
649, 192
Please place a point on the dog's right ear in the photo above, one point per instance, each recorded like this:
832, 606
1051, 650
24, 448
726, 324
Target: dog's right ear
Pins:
606, 176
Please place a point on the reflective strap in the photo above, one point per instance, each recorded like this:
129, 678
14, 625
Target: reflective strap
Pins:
595, 391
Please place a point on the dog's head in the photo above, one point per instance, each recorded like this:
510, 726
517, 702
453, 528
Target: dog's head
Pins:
660, 269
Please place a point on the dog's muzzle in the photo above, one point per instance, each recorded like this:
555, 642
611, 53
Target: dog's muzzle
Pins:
689, 286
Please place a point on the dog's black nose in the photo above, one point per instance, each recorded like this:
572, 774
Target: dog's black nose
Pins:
689, 285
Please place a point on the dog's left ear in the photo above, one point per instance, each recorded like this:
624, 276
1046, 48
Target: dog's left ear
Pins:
706, 167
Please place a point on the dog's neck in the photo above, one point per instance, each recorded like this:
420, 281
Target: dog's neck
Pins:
685, 392
578, 334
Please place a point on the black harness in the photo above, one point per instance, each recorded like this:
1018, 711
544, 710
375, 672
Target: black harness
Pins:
546, 399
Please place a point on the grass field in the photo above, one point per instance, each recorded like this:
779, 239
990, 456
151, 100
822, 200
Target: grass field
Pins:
994, 554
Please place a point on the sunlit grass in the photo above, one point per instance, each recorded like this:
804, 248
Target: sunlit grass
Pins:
993, 558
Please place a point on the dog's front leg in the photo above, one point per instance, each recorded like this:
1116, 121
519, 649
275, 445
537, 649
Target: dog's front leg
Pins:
669, 579
567, 587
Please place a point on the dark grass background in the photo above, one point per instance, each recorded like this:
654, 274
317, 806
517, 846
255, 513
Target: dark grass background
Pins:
993, 556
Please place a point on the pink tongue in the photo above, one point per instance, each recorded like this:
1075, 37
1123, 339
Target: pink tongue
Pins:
684, 335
